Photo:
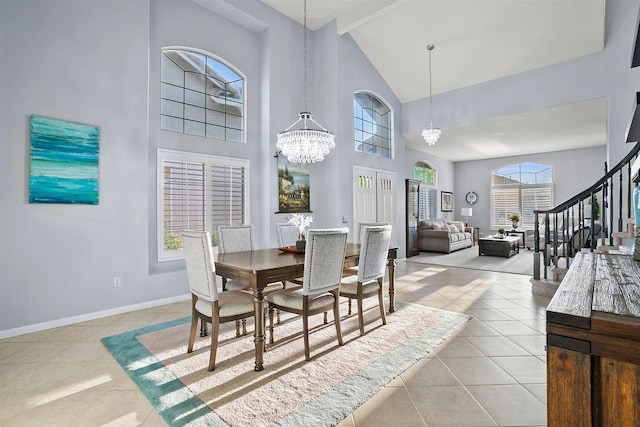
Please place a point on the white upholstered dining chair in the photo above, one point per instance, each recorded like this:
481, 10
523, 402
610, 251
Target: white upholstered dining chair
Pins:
323, 264
287, 234
206, 303
374, 248
234, 238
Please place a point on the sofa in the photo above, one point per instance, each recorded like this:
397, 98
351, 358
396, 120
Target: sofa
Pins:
438, 235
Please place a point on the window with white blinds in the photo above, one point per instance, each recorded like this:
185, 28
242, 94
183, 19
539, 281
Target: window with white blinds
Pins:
520, 188
427, 202
198, 192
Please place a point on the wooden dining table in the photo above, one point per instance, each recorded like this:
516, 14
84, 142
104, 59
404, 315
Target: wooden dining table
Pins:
261, 267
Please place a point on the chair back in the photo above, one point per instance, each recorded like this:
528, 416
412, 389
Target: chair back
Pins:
287, 234
361, 226
198, 258
324, 259
235, 238
374, 249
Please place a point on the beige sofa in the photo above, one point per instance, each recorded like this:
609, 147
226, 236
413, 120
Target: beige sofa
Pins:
439, 235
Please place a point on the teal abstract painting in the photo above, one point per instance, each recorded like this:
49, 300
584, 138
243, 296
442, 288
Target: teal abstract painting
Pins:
64, 162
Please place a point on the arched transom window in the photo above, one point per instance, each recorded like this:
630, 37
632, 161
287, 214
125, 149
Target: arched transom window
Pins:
201, 95
372, 125
520, 188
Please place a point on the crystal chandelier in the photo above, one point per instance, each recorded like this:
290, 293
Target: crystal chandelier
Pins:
299, 142
432, 134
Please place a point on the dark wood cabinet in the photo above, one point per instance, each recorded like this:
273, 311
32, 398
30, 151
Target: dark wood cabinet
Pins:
593, 344
412, 216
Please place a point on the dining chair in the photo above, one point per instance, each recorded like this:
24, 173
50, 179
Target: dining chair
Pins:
323, 264
374, 247
287, 234
206, 303
238, 238
353, 271
234, 238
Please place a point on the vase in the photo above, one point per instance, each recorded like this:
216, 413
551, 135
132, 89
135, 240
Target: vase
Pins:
515, 225
301, 244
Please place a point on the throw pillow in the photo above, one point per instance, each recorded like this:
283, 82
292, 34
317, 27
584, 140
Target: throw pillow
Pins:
436, 226
452, 228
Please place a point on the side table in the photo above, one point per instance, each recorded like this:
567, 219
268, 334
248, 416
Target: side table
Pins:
517, 231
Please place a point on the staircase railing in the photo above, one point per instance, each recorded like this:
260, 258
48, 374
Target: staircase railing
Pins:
574, 225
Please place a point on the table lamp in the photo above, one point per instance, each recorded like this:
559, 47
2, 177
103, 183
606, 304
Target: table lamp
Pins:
466, 213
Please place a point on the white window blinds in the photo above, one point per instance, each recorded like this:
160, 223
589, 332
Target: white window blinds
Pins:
198, 192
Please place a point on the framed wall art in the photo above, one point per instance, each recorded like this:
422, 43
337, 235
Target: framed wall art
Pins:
446, 201
63, 162
294, 190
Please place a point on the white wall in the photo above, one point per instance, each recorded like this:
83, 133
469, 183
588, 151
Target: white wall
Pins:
573, 171
607, 73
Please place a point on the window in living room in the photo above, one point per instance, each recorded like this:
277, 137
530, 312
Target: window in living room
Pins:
201, 95
372, 125
426, 173
521, 188
198, 192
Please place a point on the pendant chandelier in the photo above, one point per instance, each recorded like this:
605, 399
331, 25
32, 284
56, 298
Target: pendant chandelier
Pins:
305, 141
432, 134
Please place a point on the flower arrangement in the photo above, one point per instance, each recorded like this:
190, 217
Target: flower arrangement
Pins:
514, 217
302, 222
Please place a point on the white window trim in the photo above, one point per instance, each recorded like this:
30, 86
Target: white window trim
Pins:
164, 154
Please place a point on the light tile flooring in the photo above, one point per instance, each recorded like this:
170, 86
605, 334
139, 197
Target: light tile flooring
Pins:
491, 373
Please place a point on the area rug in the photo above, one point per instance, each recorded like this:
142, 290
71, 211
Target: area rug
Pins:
521, 263
289, 391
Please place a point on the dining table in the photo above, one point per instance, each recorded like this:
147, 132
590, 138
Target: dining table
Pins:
261, 267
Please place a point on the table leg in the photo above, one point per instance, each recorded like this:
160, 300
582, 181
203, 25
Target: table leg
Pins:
258, 308
391, 264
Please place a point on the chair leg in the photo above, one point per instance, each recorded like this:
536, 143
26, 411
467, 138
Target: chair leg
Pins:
360, 316
383, 316
192, 334
270, 324
278, 316
349, 312
237, 328
336, 316
326, 318
305, 329
203, 329
244, 326
215, 329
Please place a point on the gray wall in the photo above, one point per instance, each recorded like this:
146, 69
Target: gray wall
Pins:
98, 63
573, 172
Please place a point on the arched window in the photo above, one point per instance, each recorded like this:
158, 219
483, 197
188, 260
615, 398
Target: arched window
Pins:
372, 125
201, 95
520, 188
424, 172
428, 197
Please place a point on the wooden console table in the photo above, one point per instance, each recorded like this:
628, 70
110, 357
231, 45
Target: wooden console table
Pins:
593, 344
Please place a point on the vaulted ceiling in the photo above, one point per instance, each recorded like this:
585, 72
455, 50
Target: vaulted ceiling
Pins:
476, 41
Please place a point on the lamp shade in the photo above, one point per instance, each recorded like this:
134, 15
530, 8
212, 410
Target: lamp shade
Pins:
466, 212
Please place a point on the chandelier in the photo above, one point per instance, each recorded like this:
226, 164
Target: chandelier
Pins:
305, 141
432, 134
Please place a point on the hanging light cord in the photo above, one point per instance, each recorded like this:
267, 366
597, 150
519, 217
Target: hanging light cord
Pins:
430, 48
305, 56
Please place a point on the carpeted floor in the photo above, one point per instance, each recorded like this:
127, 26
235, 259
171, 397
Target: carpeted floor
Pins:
290, 391
521, 263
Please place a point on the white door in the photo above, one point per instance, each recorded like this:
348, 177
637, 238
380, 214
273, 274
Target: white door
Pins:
374, 198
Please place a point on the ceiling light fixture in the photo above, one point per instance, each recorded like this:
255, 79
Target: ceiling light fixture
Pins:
432, 134
299, 143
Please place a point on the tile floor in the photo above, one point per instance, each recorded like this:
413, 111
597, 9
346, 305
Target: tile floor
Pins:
491, 373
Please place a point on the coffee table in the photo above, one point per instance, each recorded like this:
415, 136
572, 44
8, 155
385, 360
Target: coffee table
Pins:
506, 246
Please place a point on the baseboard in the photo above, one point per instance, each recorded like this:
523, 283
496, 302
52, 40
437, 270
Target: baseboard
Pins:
8, 333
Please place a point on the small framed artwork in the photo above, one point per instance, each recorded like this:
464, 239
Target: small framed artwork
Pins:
446, 201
